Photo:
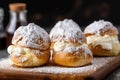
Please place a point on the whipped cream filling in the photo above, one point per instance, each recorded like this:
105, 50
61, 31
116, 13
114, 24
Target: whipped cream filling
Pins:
60, 45
105, 41
67, 47
17, 51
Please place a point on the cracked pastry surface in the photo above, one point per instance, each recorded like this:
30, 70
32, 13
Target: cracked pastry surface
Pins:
102, 38
30, 46
68, 45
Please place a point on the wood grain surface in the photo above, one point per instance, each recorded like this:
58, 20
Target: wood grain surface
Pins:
108, 65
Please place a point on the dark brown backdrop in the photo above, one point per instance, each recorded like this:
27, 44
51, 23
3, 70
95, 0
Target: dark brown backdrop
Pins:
47, 12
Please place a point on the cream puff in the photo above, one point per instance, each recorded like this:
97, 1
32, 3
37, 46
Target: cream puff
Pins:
68, 45
30, 46
102, 38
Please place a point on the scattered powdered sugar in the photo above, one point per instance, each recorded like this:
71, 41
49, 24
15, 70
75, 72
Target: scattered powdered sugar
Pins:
96, 26
6, 64
66, 30
70, 49
32, 36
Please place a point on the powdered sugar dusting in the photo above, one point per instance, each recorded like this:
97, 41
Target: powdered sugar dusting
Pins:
66, 30
6, 64
31, 36
96, 26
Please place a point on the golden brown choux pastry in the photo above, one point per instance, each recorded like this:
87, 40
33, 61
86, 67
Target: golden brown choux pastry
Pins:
102, 38
68, 45
30, 46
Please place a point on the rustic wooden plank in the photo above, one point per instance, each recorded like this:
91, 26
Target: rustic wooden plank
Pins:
106, 69
98, 74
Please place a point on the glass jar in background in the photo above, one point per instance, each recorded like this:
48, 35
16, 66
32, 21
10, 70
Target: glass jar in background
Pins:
17, 18
2, 31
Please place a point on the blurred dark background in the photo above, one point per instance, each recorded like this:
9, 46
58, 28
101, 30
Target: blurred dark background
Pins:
47, 12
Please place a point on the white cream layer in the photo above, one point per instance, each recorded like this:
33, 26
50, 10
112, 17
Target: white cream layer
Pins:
60, 45
105, 41
67, 47
17, 51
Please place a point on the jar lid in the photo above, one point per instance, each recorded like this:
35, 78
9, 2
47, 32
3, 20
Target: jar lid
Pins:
17, 7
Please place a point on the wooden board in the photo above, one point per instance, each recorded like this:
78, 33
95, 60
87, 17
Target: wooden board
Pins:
100, 67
